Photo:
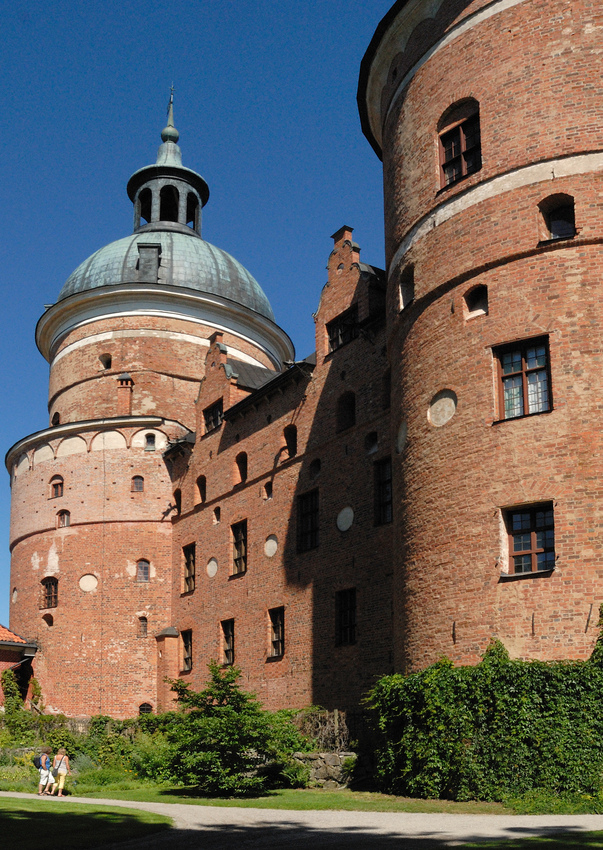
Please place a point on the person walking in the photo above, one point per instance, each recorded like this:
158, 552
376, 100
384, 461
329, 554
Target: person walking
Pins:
61, 765
46, 778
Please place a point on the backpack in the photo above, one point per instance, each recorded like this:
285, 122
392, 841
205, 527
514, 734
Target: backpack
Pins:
37, 762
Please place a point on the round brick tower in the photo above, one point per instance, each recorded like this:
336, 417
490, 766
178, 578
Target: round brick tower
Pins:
489, 126
92, 500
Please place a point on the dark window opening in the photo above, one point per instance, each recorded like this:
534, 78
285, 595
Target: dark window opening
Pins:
187, 650
228, 642
192, 211
145, 708
241, 463
50, 592
56, 419
314, 468
239, 547
168, 200
63, 519
56, 487
49, 620
145, 199
143, 570
277, 632
524, 379
558, 217
345, 617
178, 501
290, 435
346, 411
149, 442
143, 625
343, 329
189, 567
531, 538
371, 443
213, 416
460, 142
476, 301
216, 516
307, 521
202, 488
268, 490
137, 485
383, 491
407, 287
106, 361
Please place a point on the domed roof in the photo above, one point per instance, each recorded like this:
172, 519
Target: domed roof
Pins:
186, 260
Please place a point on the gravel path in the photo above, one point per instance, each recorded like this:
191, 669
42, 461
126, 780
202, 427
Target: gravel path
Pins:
220, 828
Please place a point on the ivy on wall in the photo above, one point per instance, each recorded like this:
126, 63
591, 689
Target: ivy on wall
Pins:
499, 728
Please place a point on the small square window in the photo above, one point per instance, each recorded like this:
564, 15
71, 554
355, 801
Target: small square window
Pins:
239, 547
189, 567
277, 632
213, 416
345, 617
531, 531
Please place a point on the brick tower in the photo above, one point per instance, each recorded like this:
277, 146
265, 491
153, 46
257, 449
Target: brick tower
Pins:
92, 499
489, 127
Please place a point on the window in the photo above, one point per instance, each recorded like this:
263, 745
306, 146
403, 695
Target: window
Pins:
383, 491
143, 625
187, 650
290, 435
241, 464
213, 416
343, 329
189, 567
192, 210
63, 519
178, 501
56, 420
228, 642
137, 485
202, 489
460, 142
149, 442
239, 547
145, 708
476, 301
277, 632
558, 218
307, 521
371, 443
50, 592
346, 411
106, 361
407, 287
143, 570
146, 202
217, 513
267, 490
345, 617
169, 200
56, 487
314, 468
524, 378
531, 538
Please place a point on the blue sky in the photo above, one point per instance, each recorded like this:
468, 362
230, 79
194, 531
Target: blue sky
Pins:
265, 103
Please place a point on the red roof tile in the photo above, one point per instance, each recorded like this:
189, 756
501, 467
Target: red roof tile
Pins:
10, 637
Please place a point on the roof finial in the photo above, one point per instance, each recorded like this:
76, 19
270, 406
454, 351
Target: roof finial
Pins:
170, 133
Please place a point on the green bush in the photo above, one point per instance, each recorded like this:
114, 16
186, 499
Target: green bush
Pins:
497, 729
224, 743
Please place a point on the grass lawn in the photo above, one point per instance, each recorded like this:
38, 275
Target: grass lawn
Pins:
569, 841
31, 824
306, 799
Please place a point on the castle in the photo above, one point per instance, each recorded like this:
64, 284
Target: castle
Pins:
427, 480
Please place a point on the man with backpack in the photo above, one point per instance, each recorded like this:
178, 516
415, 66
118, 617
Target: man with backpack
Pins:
44, 764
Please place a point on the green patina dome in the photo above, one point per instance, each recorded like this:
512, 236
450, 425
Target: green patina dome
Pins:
186, 261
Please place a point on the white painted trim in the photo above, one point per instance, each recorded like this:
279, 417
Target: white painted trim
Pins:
107, 336
395, 40
530, 175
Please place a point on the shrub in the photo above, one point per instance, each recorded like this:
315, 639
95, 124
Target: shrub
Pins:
485, 732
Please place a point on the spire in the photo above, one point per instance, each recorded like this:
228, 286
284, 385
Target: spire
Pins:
169, 153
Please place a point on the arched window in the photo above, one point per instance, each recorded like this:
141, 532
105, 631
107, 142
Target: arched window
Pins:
56, 487
143, 570
50, 592
56, 419
346, 411
192, 210
476, 301
558, 218
201, 489
145, 708
268, 490
216, 515
145, 201
149, 442
460, 142
168, 203
290, 435
106, 360
63, 519
137, 484
143, 625
241, 463
178, 501
407, 286
49, 620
